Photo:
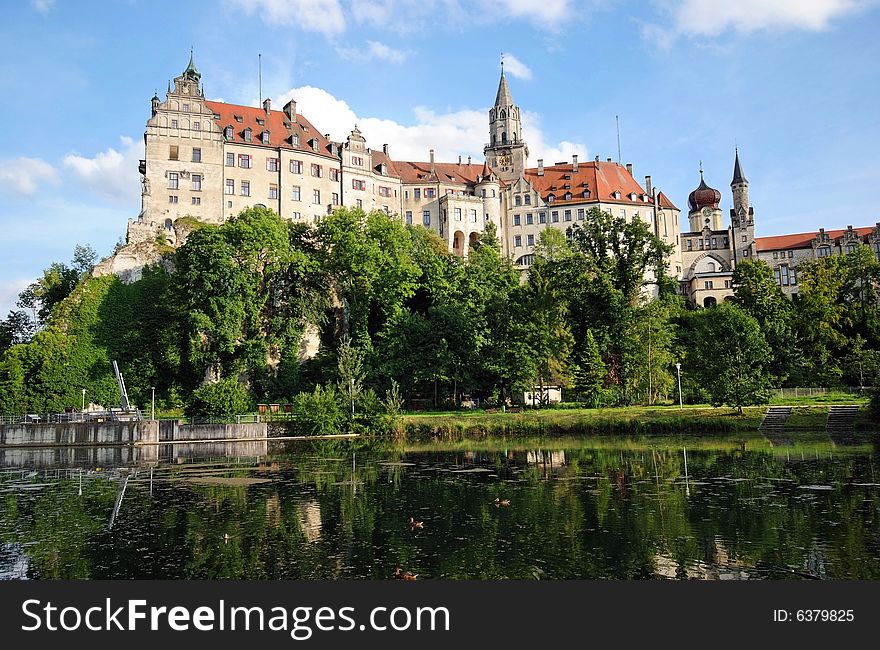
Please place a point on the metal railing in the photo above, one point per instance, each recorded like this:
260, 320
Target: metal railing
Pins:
807, 391
113, 415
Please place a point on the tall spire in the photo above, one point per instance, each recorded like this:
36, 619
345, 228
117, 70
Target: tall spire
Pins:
738, 176
503, 97
191, 71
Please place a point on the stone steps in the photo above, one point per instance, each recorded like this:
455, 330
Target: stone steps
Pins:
775, 418
841, 418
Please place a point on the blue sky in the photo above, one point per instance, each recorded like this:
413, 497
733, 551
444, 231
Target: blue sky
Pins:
793, 83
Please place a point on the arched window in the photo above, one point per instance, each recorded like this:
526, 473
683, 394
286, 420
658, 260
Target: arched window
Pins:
504, 137
709, 302
169, 224
503, 114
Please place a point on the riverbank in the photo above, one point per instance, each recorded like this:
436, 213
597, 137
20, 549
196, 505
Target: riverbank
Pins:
634, 420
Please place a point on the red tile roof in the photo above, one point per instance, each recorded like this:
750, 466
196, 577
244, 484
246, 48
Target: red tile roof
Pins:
415, 172
602, 179
274, 121
802, 240
664, 201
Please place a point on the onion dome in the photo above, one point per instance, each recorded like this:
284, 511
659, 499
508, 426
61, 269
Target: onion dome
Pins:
704, 196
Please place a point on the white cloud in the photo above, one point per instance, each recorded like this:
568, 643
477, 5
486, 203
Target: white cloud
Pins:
330, 17
43, 6
544, 13
374, 50
9, 290
516, 67
23, 176
112, 174
322, 16
714, 17
450, 134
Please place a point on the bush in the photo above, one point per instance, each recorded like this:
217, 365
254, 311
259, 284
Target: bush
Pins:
226, 397
319, 413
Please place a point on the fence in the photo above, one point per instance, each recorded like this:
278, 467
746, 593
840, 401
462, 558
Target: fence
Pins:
72, 417
790, 393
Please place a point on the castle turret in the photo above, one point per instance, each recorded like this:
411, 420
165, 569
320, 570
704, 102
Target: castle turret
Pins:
506, 152
704, 209
742, 215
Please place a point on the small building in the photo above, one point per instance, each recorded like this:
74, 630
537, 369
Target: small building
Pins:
549, 394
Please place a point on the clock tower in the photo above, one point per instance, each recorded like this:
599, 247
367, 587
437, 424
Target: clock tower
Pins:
506, 152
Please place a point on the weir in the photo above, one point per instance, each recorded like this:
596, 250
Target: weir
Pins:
108, 434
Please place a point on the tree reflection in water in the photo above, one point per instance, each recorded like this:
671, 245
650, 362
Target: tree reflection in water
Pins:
579, 509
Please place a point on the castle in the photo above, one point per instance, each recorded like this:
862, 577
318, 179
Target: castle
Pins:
209, 160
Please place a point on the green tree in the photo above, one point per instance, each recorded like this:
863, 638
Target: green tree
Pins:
589, 371
759, 295
350, 367
730, 356
226, 397
821, 317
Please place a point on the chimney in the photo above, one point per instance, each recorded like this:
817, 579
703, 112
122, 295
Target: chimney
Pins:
609, 160
385, 148
574, 162
540, 166
327, 135
629, 168
648, 186
459, 160
469, 162
267, 104
597, 158
432, 161
290, 110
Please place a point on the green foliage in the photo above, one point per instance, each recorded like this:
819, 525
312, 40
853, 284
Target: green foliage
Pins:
730, 356
226, 397
350, 364
589, 371
320, 412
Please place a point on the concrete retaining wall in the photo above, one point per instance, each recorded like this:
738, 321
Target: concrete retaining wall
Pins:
220, 431
77, 433
98, 434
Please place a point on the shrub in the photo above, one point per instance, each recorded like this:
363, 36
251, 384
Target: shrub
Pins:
227, 397
319, 413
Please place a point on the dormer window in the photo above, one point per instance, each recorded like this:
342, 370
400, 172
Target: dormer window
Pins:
568, 196
264, 137
294, 139
313, 143
261, 122
383, 169
551, 198
632, 196
616, 194
238, 118
228, 133
586, 194
248, 135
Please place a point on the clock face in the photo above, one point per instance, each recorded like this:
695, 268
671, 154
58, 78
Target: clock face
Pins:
504, 159
707, 212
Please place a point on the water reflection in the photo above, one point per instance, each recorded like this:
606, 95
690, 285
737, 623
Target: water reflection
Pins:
617, 509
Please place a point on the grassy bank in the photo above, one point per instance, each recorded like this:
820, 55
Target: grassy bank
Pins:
634, 420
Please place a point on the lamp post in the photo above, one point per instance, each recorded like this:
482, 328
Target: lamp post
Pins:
153, 404
678, 369
84, 400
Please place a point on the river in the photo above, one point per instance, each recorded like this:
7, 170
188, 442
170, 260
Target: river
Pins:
595, 508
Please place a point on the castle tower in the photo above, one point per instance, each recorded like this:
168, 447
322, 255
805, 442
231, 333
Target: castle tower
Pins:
742, 215
506, 152
703, 205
